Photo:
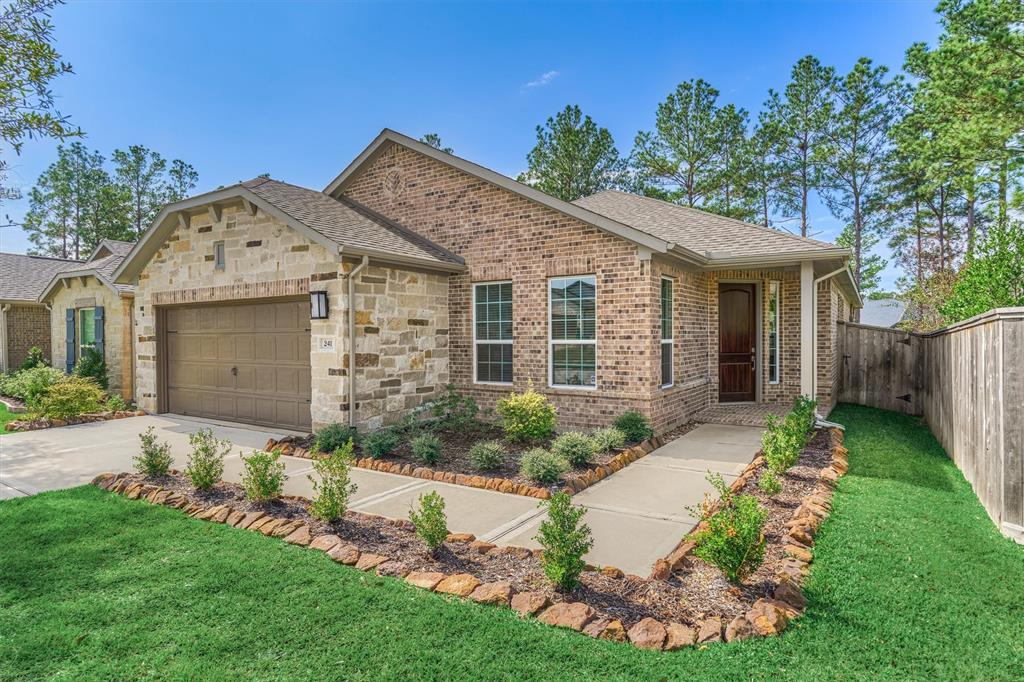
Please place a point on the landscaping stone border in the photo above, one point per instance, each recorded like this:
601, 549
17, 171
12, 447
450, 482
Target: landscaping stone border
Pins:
572, 484
47, 423
765, 618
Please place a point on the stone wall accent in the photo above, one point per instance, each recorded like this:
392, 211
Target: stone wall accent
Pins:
27, 326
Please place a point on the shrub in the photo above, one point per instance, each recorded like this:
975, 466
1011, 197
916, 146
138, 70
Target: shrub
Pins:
332, 437
27, 385
527, 416
430, 521
780, 444
542, 466
769, 483
91, 365
335, 487
634, 426
115, 403
263, 476
565, 539
380, 443
487, 456
426, 447
35, 358
155, 457
454, 410
205, 464
69, 397
804, 409
609, 438
574, 447
734, 537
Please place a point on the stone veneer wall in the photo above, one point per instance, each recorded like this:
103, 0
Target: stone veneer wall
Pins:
74, 294
27, 326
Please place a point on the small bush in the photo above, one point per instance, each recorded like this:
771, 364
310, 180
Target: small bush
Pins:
263, 476
29, 384
734, 538
565, 539
205, 464
35, 358
380, 443
542, 466
769, 483
609, 438
487, 456
455, 411
804, 408
527, 416
574, 447
634, 426
70, 397
426, 448
332, 437
155, 457
116, 403
430, 521
91, 365
335, 487
781, 443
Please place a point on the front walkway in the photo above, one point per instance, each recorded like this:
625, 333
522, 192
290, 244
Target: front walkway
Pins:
739, 414
637, 515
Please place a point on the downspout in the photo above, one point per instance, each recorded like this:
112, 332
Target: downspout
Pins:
814, 330
3, 336
352, 339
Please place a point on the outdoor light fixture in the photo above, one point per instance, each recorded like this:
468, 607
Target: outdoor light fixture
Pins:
318, 305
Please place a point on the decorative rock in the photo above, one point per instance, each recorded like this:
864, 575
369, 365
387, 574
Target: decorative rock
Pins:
528, 603
160, 496
789, 592
575, 615
481, 547
710, 630
679, 636
799, 553
496, 593
299, 536
250, 519
324, 542
801, 535
612, 572
102, 479
614, 632
393, 569
369, 561
286, 528
520, 553
662, 570
222, 515
460, 537
426, 580
767, 618
270, 526
739, 628
460, 584
344, 554
648, 634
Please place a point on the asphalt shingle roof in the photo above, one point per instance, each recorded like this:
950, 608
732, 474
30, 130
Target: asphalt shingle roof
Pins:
23, 278
700, 231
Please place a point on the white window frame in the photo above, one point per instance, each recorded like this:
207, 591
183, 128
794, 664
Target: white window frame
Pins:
477, 342
220, 264
80, 328
566, 342
670, 341
774, 354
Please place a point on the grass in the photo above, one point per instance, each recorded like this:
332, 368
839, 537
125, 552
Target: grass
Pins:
6, 416
911, 581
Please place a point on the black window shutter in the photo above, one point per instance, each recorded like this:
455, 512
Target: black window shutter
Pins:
69, 318
98, 326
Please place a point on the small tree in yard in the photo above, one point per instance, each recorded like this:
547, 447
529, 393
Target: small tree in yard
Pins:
430, 521
263, 478
335, 487
155, 458
205, 463
565, 539
733, 539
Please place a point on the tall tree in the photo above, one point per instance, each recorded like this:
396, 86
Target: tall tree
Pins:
573, 157
141, 174
994, 279
764, 177
734, 165
182, 178
434, 140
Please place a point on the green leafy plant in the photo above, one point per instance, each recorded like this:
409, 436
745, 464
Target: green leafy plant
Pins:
92, 365
565, 539
574, 447
70, 397
781, 443
28, 384
380, 443
455, 411
488, 455
527, 416
769, 483
733, 539
34, 358
609, 438
205, 463
115, 403
804, 412
634, 425
430, 521
263, 476
155, 457
426, 447
542, 466
335, 487
333, 436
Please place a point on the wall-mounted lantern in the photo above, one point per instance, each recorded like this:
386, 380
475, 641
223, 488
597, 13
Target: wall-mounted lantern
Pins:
318, 305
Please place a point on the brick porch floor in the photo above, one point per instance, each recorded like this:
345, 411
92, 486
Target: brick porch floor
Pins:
739, 415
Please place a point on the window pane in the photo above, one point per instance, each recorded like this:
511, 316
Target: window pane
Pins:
494, 362
87, 326
666, 364
666, 309
773, 332
573, 364
493, 307
573, 309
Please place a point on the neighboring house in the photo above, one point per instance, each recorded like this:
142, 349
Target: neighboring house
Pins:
458, 274
24, 321
87, 309
883, 312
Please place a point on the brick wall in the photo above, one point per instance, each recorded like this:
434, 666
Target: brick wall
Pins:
27, 326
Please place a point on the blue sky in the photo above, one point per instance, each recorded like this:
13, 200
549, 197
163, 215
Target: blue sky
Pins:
298, 89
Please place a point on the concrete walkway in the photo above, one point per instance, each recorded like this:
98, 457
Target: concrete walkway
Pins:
637, 515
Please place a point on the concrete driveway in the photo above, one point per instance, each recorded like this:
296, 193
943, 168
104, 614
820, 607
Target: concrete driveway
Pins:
636, 515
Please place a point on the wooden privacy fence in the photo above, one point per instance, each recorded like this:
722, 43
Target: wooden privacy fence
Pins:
967, 380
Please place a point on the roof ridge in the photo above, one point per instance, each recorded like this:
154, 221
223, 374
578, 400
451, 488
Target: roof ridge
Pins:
36, 255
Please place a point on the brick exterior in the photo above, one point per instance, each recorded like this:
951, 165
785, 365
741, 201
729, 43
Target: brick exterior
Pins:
27, 326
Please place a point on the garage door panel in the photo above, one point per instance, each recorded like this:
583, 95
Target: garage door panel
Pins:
264, 345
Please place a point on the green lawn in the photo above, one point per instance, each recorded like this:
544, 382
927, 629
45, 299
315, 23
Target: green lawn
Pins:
911, 581
6, 416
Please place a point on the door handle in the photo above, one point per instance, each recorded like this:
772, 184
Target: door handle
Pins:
234, 371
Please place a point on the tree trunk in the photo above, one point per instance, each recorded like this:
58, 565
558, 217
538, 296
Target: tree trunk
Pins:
971, 223
920, 248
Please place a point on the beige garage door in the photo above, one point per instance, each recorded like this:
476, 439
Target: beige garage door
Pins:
246, 362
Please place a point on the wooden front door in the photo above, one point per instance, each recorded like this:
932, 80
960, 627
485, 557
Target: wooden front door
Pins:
737, 342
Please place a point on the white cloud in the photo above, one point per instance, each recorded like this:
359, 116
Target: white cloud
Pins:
544, 79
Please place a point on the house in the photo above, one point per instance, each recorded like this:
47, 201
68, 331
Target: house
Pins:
883, 312
273, 304
24, 320
87, 309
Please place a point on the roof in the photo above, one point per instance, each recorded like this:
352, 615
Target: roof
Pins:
108, 247
23, 278
882, 312
713, 235
102, 268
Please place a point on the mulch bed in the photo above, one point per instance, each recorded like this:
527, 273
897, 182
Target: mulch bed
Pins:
47, 423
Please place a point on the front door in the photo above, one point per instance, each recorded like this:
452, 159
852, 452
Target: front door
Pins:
737, 335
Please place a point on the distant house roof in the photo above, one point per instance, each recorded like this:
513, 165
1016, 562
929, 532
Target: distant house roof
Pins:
23, 278
883, 312
102, 263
